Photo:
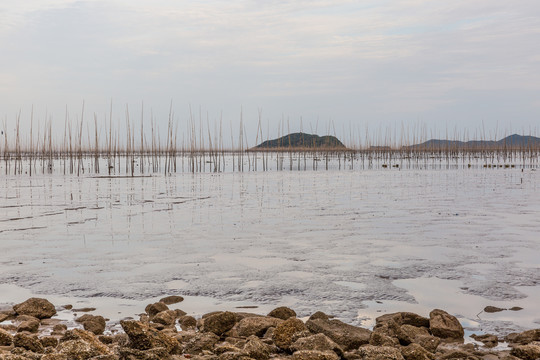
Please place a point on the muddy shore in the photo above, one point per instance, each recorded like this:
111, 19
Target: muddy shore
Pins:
33, 330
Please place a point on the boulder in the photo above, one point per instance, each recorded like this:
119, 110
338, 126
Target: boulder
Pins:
167, 317
219, 323
159, 353
428, 342
232, 355
314, 355
444, 325
5, 338
54, 356
379, 338
527, 352
173, 299
256, 325
487, 339
155, 308
36, 307
284, 332
187, 322
403, 318
49, 341
319, 315
524, 337
81, 349
226, 347
319, 342
256, 349
28, 342
143, 337
200, 342
30, 326
282, 313
416, 352
370, 352
93, 323
347, 336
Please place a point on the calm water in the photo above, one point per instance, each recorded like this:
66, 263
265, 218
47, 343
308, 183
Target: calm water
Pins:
354, 243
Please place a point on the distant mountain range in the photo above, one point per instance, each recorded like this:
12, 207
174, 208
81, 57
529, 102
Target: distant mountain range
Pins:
302, 140
515, 141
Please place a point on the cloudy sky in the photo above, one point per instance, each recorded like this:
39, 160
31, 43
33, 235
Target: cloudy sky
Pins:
379, 64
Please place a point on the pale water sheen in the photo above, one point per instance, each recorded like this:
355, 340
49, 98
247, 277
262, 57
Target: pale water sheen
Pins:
351, 243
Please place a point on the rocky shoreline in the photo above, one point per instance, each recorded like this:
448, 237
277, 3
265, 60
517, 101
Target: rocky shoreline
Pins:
30, 330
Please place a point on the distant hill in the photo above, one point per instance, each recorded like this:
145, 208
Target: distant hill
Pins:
515, 141
302, 140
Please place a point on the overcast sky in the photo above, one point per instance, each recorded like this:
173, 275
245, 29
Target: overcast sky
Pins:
368, 63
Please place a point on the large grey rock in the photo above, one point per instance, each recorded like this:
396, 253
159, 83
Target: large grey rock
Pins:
347, 336
36, 307
444, 325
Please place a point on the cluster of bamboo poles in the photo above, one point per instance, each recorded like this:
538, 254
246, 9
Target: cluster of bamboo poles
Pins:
123, 150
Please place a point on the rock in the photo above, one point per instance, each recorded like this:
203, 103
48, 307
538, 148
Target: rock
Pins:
284, 332
155, 308
150, 354
458, 355
318, 342
370, 352
391, 329
527, 352
54, 356
187, 322
403, 318
4, 316
93, 323
143, 337
488, 340
524, 337
49, 341
36, 307
379, 338
27, 342
515, 308
416, 352
444, 325
428, 342
347, 336
173, 299
86, 336
84, 309
5, 338
256, 349
81, 349
200, 342
493, 309
319, 315
256, 325
219, 323
180, 313
226, 347
167, 317
314, 355
232, 355
282, 313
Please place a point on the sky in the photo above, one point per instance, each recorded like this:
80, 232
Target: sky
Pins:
339, 67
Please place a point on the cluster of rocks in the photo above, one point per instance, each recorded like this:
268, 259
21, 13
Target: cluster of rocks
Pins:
246, 336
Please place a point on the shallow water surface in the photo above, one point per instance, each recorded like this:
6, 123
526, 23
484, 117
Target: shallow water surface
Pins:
351, 243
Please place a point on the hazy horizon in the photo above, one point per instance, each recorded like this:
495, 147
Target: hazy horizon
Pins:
322, 67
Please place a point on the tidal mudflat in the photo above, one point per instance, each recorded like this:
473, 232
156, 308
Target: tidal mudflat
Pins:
352, 243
